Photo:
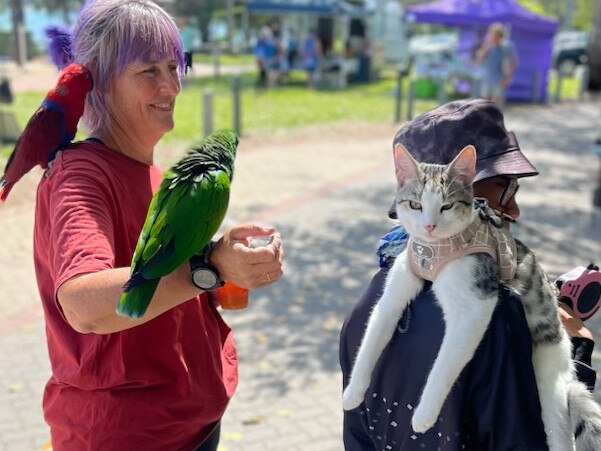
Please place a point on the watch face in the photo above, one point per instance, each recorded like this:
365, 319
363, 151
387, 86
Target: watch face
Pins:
205, 279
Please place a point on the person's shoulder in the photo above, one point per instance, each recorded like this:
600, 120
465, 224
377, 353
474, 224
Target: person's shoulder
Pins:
92, 160
79, 156
86, 150
95, 154
508, 47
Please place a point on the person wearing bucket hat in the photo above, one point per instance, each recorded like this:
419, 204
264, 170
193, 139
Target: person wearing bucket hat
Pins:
437, 136
494, 404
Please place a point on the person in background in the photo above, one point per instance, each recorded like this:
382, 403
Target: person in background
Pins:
312, 55
292, 45
163, 381
494, 403
498, 60
265, 51
188, 34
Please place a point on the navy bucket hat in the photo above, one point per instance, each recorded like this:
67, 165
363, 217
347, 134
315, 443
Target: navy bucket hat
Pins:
438, 135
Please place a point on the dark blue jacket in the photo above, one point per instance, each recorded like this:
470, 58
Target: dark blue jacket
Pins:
493, 405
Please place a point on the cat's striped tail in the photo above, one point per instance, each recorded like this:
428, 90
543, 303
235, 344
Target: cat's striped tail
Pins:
585, 415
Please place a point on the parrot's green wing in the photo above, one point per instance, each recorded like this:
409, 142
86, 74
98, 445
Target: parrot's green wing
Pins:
190, 216
182, 222
183, 216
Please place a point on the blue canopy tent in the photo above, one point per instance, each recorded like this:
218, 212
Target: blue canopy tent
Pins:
531, 34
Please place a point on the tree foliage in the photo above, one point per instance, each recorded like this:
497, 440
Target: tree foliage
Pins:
581, 11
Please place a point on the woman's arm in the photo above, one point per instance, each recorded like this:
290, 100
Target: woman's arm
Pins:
582, 345
88, 300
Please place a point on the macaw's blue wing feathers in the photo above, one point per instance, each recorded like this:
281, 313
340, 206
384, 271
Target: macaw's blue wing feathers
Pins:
183, 216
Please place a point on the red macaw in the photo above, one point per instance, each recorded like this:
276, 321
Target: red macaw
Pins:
51, 128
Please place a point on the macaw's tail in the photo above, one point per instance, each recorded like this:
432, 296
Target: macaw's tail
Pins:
5, 188
137, 293
585, 415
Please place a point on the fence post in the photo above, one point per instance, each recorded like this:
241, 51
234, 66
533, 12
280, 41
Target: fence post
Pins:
236, 104
536, 86
398, 94
441, 86
207, 112
582, 74
216, 63
410, 99
558, 80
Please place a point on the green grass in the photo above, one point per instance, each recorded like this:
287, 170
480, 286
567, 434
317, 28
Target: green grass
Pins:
225, 59
284, 107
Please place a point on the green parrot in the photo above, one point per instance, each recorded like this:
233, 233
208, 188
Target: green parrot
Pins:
184, 214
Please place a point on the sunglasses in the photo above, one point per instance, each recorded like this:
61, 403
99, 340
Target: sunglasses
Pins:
509, 191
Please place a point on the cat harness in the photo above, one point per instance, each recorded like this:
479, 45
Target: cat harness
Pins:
484, 234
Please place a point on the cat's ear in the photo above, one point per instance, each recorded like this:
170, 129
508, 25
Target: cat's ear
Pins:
463, 166
405, 164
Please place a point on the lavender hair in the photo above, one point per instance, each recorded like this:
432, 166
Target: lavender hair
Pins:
110, 34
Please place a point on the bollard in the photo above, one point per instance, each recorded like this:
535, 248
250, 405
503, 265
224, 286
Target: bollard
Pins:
441, 90
536, 87
582, 75
236, 104
475, 86
207, 112
410, 99
558, 79
216, 62
398, 94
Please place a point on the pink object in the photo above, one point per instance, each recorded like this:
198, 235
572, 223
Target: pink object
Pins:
581, 290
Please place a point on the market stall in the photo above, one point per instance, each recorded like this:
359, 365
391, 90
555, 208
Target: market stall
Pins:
531, 34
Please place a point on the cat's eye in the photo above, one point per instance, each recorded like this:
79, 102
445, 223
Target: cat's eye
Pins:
446, 207
415, 205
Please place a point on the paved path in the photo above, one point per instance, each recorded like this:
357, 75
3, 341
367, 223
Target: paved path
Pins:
327, 189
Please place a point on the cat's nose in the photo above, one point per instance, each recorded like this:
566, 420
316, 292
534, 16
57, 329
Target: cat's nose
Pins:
430, 227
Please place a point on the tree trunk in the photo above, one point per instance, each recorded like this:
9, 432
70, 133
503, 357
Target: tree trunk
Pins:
20, 43
64, 7
231, 25
594, 51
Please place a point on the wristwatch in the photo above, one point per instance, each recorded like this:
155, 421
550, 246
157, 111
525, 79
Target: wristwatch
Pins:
204, 275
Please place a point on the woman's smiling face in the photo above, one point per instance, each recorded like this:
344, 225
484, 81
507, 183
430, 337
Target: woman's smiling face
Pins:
142, 98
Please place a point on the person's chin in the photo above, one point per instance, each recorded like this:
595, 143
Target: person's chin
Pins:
166, 125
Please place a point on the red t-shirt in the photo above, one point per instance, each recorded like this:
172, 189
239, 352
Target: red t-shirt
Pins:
161, 385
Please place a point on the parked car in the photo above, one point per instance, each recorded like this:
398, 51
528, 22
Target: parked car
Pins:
569, 50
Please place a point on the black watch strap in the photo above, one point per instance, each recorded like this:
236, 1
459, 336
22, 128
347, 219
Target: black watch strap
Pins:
205, 253
200, 262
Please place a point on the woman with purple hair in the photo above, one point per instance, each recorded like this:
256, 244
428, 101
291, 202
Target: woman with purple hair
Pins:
163, 381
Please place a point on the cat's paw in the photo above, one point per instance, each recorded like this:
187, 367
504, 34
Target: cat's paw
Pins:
423, 419
352, 398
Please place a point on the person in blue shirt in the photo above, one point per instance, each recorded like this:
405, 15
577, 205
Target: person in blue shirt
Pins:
498, 61
494, 404
312, 55
265, 51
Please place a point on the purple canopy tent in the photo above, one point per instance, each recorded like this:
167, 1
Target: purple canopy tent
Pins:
531, 34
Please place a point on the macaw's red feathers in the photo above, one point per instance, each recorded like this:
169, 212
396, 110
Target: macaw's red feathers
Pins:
51, 128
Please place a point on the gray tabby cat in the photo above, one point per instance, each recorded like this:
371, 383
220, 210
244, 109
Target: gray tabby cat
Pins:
436, 202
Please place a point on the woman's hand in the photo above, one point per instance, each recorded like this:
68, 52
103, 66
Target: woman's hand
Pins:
243, 265
574, 325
